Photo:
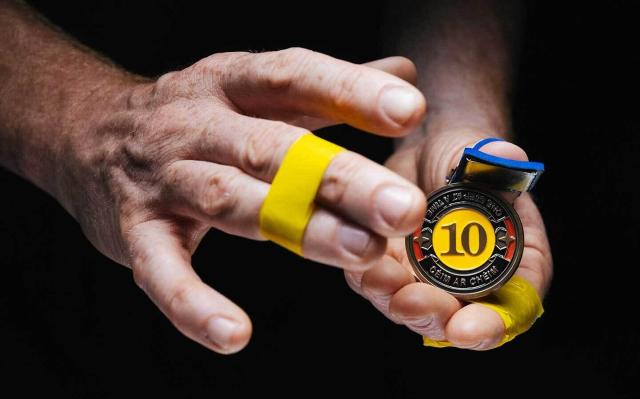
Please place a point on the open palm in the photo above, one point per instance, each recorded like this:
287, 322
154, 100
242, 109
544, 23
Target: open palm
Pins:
391, 286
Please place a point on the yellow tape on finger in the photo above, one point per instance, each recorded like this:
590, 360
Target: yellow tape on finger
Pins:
289, 204
518, 305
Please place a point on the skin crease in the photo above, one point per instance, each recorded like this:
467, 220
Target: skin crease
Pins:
148, 166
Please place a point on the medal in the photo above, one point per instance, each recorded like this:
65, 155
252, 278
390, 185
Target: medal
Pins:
471, 239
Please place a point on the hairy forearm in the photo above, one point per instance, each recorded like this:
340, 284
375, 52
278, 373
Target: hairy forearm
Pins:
463, 53
48, 82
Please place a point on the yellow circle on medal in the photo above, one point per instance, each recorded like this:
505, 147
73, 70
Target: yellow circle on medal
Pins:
464, 239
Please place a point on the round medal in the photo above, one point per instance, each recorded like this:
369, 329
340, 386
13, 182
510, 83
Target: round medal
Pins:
470, 242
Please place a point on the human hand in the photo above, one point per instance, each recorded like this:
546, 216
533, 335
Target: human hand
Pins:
429, 311
148, 167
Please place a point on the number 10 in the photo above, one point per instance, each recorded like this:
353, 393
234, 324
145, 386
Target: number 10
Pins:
466, 231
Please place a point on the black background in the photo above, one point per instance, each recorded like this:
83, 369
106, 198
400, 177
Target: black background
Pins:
72, 322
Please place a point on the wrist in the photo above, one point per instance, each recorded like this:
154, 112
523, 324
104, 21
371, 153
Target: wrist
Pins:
492, 120
469, 119
82, 133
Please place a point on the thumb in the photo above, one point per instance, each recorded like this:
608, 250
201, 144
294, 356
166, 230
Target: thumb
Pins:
441, 154
162, 268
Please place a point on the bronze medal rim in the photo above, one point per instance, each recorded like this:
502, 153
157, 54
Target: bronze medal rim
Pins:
513, 264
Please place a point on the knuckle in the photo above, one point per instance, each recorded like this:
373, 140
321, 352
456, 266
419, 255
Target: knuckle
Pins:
209, 65
373, 252
178, 300
255, 159
281, 68
277, 78
294, 54
140, 278
354, 280
261, 148
139, 270
219, 195
165, 84
173, 176
345, 85
142, 259
209, 72
337, 177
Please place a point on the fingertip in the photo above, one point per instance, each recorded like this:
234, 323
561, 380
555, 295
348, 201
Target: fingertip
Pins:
475, 327
505, 149
399, 66
424, 309
417, 300
405, 69
385, 278
359, 248
401, 208
228, 335
241, 338
363, 261
333, 240
402, 108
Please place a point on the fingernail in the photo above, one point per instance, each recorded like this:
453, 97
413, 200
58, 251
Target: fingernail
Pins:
399, 104
393, 203
220, 330
353, 240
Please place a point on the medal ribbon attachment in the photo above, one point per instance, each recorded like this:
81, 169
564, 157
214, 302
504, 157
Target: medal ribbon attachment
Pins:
516, 302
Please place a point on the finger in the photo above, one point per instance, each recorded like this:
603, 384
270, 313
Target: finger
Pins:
441, 153
475, 327
300, 81
226, 198
424, 309
396, 251
161, 267
384, 279
536, 265
332, 240
398, 66
352, 185
479, 327
371, 195
219, 195
354, 280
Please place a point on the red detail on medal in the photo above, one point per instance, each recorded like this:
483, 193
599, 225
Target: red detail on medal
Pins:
417, 251
511, 232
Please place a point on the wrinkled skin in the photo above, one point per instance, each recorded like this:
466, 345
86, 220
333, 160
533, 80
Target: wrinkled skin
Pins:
149, 167
429, 311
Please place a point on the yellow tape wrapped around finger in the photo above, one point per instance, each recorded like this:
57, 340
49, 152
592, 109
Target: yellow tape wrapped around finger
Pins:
518, 305
289, 204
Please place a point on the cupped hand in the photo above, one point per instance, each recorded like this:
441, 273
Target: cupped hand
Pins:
147, 167
390, 284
